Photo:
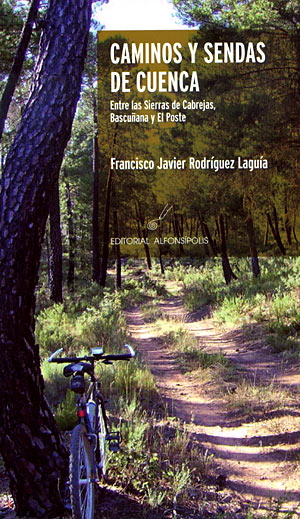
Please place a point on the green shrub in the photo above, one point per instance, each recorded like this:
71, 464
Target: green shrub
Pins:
60, 397
62, 327
132, 293
153, 286
126, 381
56, 384
232, 309
54, 328
280, 343
156, 462
270, 299
105, 325
65, 414
87, 295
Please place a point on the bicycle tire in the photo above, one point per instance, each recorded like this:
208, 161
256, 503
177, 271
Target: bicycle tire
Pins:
82, 486
102, 461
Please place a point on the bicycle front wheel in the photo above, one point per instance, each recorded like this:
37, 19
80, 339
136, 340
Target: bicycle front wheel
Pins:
102, 454
82, 487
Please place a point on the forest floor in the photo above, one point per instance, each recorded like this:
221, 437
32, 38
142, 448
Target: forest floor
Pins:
255, 441
246, 418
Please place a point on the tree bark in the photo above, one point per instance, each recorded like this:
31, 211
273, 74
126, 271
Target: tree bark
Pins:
55, 259
287, 225
227, 270
146, 247
275, 230
71, 237
266, 238
206, 232
30, 443
96, 230
294, 229
17, 65
217, 232
181, 225
118, 251
143, 233
105, 248
160, 253
177, 231
252, 247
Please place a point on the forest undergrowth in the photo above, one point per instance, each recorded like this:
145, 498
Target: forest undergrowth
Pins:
268, 304
159, 464
264, 310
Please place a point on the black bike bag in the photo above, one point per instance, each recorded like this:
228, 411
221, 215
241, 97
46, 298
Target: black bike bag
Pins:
78, 367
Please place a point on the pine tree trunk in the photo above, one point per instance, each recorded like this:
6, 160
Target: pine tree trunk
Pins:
105, 248
82, 242
252, 247
204, 229
96, 241
177, 232
275, 230
266, 238
287, 225
227, 270
117, 251
206, 232
160, 254
147, 250
108, 191
55, 259
181, 225
294, 229
34, 456
218, 232
71, 238
143, 234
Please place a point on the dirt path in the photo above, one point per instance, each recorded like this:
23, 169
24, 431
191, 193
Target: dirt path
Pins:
257, 454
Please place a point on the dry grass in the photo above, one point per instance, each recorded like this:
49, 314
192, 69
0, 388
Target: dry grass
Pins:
252, 398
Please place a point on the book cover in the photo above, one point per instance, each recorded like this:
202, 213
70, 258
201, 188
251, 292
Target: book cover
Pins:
173, 225
197, 138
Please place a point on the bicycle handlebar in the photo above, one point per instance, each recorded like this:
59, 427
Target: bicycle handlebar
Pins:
106, 359
50, 359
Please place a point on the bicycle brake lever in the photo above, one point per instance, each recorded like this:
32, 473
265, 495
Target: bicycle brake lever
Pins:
57, 352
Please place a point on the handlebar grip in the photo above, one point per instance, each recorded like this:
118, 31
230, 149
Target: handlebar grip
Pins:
131, 350
65, 360
120, 356
57, 352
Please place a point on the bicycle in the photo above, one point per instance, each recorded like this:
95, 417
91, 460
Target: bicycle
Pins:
90, 436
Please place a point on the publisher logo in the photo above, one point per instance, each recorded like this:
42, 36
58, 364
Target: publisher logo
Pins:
154, 224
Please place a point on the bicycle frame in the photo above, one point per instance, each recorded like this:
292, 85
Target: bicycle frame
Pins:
89, 437
92, 395
88, 406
